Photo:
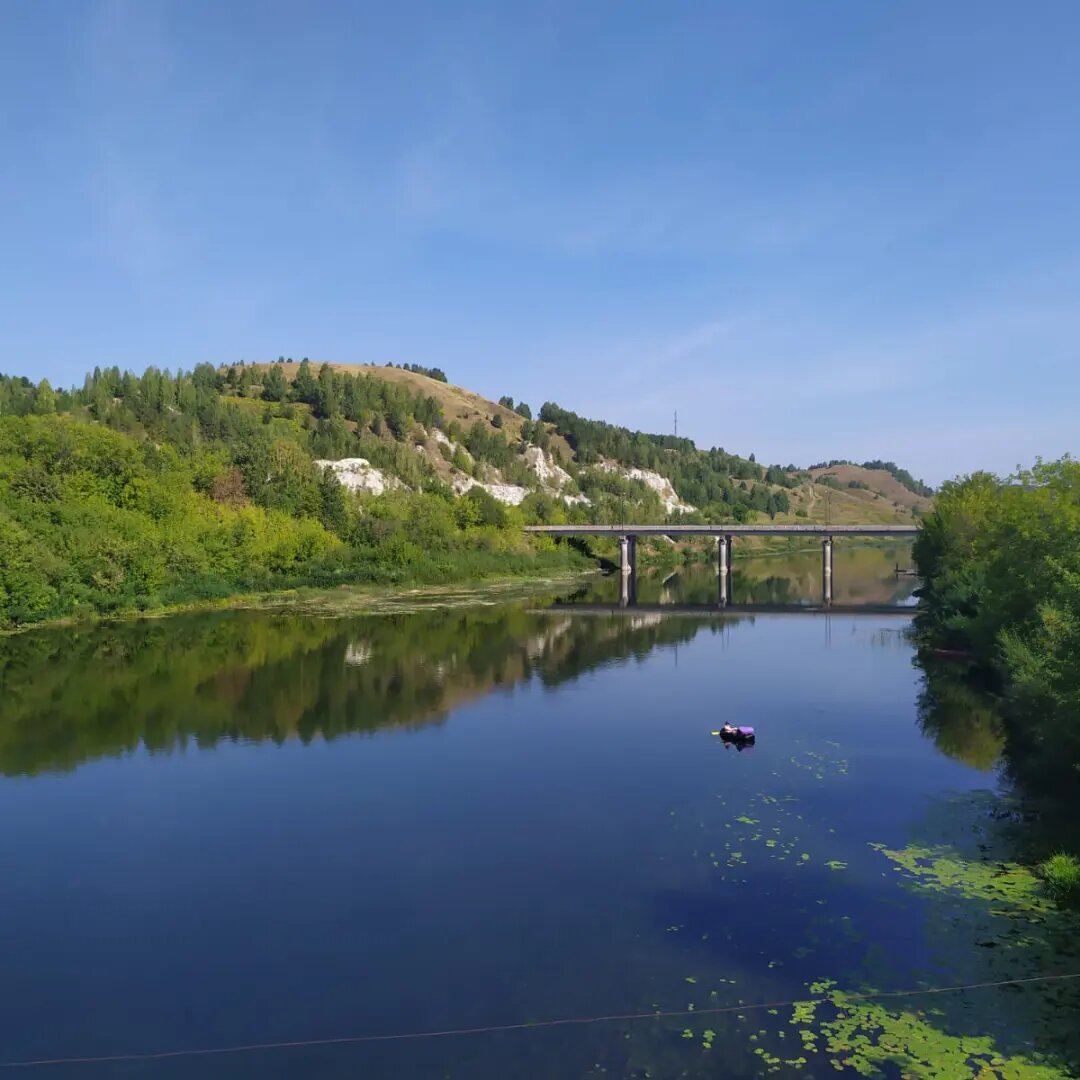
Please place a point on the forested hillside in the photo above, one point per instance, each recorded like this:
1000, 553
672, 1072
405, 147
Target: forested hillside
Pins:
141, 491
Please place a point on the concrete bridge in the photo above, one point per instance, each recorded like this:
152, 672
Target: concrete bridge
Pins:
699, 611
725, 535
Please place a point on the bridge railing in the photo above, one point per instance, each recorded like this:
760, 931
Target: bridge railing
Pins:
724, 530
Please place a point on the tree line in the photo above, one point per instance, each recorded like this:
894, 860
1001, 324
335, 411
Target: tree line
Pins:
138, 492
1001, 566
720, 485
917, 487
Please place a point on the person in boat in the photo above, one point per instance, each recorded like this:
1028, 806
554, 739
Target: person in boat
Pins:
733, 733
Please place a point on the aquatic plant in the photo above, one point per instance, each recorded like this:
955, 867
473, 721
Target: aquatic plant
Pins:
1061, 876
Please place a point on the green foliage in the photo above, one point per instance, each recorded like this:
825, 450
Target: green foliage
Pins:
484, 444
917, 487
135, 491
1001, 566
431, 372
488, 509
154, 490
704, 478
1061, 875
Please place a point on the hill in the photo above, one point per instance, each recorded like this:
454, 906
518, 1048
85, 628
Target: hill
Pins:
134, 492
603, 459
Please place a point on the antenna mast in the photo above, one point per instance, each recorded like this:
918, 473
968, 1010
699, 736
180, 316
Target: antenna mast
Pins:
676, 423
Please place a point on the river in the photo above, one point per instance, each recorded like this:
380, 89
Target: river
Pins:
252, 827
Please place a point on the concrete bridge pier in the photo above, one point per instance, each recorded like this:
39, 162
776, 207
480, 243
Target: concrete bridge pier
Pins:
826, 569
627, 570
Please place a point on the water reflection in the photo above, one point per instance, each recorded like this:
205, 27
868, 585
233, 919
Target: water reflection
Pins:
862, 577
963, 720
74, 695
70, 696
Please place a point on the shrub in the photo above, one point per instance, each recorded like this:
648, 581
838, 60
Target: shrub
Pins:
1061, 874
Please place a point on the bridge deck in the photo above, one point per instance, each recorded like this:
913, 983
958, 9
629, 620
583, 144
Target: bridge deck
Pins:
724, 530
704, 611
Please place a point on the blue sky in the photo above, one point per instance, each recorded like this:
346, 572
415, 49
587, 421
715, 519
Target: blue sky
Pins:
814, 229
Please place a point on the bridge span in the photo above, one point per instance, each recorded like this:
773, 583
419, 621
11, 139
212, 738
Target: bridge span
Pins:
724, 530
698, 611
627, 535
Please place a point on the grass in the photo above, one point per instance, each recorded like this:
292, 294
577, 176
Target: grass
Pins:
444, 579
340, 601
1061, 875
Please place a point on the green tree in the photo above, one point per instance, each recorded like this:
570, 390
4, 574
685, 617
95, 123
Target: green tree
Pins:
305, 388
488, 509
329, 396
1001, 577
44, 399
274, 386
333, 512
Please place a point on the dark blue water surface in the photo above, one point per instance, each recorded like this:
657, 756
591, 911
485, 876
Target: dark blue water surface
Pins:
250, 828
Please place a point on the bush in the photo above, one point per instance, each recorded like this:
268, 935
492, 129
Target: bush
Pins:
1001, 577
1061, 875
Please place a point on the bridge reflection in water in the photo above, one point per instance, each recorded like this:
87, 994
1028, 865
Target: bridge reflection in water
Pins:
724, 536
720, 595
699, 610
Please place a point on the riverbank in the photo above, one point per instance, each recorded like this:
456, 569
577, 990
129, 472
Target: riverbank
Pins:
1001, 570
344, 600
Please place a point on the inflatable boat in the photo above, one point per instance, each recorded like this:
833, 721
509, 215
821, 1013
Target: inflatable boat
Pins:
731, 733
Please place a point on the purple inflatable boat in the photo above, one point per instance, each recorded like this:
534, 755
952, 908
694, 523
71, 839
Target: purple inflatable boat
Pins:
736, 734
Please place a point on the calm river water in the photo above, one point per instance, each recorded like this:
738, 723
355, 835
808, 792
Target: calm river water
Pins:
262, 828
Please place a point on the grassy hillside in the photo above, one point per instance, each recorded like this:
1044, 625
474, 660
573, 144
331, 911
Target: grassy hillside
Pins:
458, 405
843, 493
878, 481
